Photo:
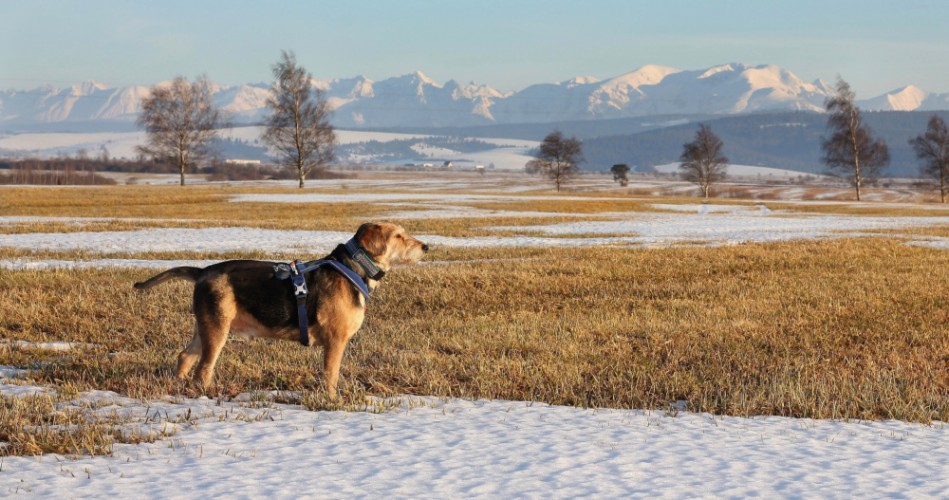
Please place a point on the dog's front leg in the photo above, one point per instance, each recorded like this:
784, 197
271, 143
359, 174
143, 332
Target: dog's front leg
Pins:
332, 358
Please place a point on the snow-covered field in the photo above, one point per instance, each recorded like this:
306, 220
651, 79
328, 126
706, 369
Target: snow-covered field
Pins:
767, 173
430, 448
511, 154
433, 448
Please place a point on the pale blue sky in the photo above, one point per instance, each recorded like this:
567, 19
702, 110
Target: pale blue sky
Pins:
877, 46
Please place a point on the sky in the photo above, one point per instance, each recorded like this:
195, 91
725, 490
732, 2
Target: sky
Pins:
876, 46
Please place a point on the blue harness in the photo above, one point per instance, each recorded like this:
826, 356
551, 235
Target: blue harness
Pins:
296, 270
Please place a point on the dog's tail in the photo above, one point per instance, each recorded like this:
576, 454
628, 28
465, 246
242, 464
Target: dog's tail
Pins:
183, 273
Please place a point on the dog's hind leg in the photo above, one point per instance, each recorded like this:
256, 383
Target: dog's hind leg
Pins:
214, 310
213, 337
189, 355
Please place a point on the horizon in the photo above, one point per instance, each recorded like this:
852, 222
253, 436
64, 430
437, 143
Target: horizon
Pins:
507, 47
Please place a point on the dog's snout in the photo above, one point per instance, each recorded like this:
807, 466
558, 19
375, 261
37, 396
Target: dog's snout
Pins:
424, 247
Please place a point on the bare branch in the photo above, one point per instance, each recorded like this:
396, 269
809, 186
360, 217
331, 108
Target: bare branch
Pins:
851, 151
557, 158
932, 148
702, 161
180, 121
298, 128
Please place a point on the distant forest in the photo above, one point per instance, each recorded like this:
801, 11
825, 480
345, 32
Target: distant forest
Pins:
784, 140
87, 171
402, 149
789, 140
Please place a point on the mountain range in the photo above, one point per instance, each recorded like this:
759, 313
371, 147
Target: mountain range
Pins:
414, 100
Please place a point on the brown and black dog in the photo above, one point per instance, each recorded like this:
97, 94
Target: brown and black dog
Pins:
243, 298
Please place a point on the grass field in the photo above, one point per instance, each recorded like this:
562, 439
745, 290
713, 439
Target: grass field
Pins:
842, 328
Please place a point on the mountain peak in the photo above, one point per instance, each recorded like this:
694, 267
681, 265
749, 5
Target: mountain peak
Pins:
415, 99
422, 78
87, 87
578, 80
724, 68
651, 74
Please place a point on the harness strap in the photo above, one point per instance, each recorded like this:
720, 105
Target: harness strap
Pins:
296, 270
300, 291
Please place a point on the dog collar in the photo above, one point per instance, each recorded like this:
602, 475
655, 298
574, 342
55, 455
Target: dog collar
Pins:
359, 255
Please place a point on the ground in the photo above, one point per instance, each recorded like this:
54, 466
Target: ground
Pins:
267, 444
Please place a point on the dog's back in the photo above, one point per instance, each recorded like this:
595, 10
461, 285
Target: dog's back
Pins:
257, 269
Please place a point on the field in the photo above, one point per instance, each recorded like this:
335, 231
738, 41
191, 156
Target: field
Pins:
657, 308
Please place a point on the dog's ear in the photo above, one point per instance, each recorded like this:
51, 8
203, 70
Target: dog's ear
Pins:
372, 237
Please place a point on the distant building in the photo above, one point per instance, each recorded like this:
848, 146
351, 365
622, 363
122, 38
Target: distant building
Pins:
238, 161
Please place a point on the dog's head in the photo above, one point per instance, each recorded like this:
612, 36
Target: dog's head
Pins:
388, 243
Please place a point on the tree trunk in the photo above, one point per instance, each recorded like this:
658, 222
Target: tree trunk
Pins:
856, 152
300, 170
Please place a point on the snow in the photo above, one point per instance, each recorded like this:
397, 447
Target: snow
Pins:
434, 448
47, 346
449, 448
390, 197
688, 224
741, 170
45, 265
510, 154
119, 144
908, 98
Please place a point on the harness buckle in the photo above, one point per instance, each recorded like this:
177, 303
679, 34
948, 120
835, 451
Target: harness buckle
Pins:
299, 280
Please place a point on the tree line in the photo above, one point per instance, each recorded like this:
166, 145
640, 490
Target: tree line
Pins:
786, 140
850, 151
180, 121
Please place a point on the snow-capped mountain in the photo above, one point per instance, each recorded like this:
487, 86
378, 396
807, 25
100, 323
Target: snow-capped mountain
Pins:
415, 100
909, 98
84, 102
653, 90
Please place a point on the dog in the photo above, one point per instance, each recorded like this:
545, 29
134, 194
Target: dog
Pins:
244, 299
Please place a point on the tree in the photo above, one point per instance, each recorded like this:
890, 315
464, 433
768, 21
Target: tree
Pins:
180, 121
298, 127
851, 150
557, 158
933, 149
702, 161
619, 173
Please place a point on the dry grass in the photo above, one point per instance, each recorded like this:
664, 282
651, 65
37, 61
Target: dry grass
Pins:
152, 207
835, 329
47, 423
853, 328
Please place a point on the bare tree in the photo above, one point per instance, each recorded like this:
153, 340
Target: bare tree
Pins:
298, 127
702, 161
851, 150
557, 158
180, 121
933, 149
619, 171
